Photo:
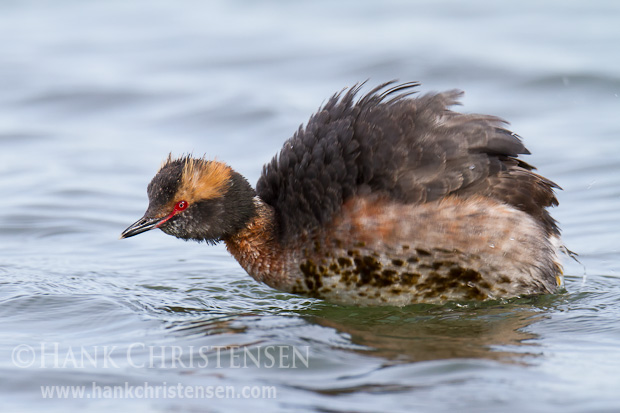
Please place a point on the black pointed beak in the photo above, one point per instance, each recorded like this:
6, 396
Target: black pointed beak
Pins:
142, 225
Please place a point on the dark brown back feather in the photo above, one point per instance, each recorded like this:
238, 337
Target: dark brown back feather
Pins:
413, 150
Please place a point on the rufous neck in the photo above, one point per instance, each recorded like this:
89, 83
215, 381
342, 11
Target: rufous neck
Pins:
257, 248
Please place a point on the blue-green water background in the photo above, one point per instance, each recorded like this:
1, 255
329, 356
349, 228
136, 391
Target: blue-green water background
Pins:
94, 95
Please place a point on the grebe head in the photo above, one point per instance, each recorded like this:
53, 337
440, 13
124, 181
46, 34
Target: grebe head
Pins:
198, 199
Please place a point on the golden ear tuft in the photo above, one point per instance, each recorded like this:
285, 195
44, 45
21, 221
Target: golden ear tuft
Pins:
204, 179
200, 179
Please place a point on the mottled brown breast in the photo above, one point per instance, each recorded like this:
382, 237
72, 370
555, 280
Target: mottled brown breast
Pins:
378, 251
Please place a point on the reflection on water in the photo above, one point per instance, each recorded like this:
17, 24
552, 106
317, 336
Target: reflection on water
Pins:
406, 335
492, 331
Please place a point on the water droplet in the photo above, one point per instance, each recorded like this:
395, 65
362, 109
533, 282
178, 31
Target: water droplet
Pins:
492, 245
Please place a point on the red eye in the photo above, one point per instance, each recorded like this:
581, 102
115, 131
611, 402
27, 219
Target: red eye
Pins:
180, 206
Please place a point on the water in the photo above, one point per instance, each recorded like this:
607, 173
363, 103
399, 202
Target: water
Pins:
96, 94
